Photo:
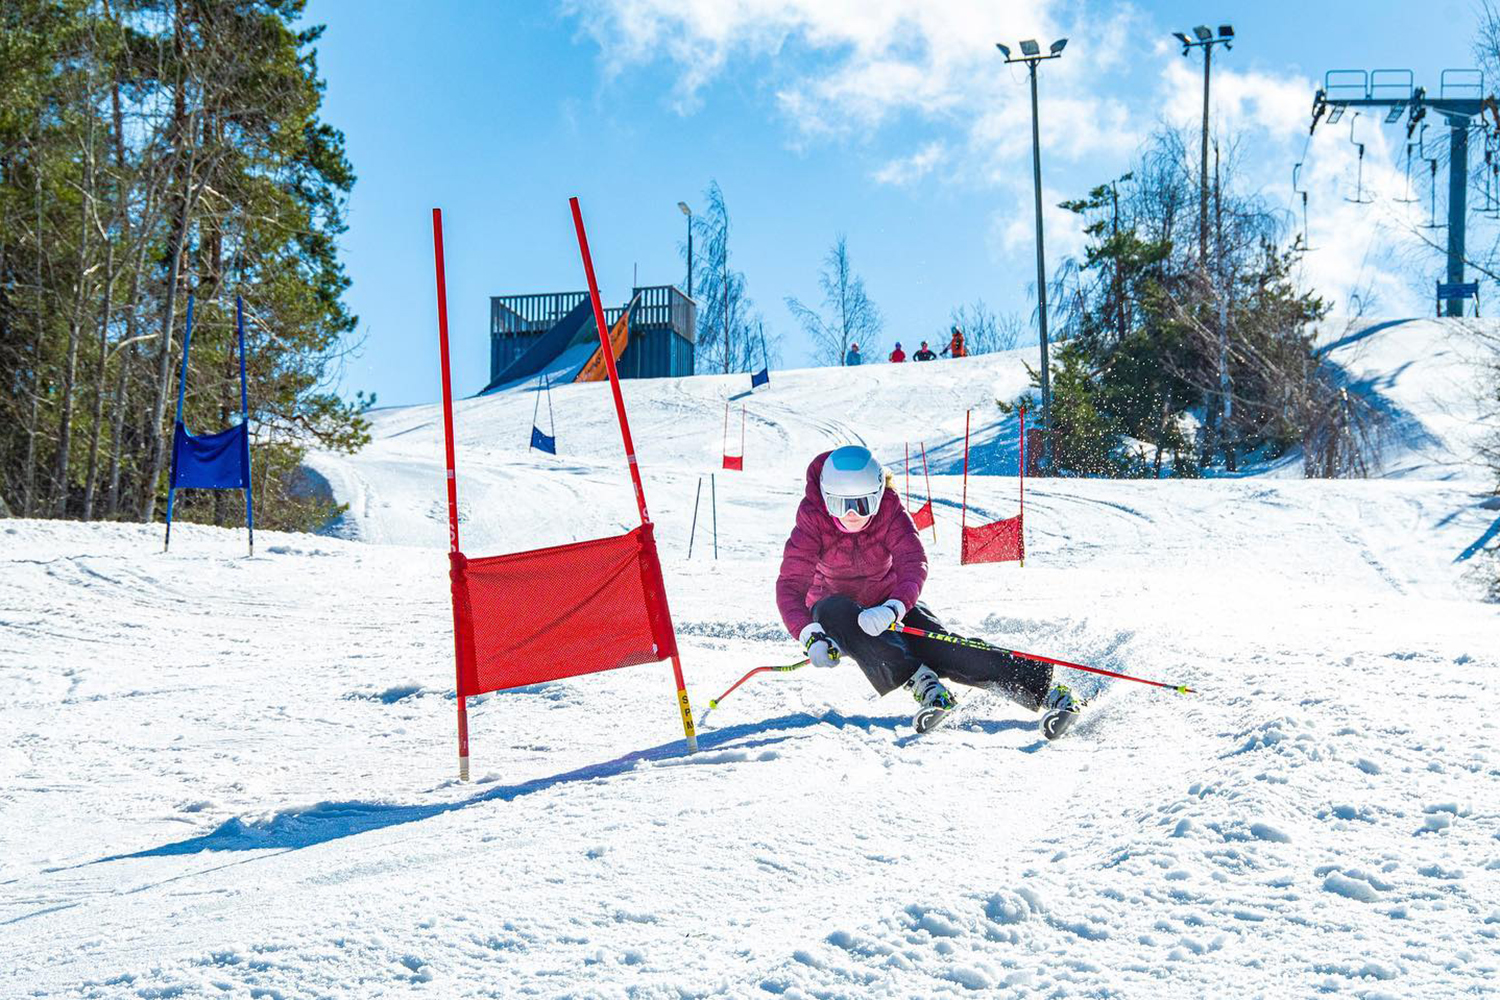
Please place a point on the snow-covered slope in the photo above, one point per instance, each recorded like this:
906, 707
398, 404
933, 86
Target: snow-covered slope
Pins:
223, 776
1427, 379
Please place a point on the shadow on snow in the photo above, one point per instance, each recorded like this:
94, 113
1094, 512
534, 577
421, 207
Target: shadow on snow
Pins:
326, 821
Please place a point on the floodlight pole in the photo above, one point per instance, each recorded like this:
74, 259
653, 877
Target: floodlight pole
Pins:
1041, 275
1041, 256
1208, 58
1206, 41
689, 213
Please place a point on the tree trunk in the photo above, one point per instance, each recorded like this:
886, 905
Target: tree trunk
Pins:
1161, 433
75, 327
155, 441
33, 418
122, 378
99, 373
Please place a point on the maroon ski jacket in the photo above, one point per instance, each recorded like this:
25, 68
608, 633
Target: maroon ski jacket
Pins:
885, 560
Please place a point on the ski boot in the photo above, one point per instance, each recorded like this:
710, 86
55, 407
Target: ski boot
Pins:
1060, 710
936, 700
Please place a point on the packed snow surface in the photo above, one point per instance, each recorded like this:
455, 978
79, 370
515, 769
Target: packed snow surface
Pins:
230, 776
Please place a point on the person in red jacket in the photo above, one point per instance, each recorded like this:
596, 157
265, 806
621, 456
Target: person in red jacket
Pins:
898, 355
955, 346
854, 566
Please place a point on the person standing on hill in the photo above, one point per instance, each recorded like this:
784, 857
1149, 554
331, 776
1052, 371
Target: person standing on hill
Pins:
854, 566
853, 357
955, 346
898, 355
925, 354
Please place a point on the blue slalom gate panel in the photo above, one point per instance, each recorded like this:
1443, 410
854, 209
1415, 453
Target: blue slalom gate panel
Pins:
211, 461
760, 378
542, 442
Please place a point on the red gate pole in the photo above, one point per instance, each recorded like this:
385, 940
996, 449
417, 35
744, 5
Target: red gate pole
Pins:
928, 480
635, 472
1021, 527
442, 308
724, 438
963, 517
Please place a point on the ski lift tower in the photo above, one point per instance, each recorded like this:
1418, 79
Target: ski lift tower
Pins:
1460, 100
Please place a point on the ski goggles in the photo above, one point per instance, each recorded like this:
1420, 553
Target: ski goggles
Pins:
863, 506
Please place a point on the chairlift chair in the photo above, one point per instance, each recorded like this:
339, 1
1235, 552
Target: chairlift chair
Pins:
1359, 183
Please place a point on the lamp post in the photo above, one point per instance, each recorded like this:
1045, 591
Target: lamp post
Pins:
689, 213
1205, 39
1031, 54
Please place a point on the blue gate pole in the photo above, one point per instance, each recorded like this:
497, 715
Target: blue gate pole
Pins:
239, 323
187, 339
1458, 191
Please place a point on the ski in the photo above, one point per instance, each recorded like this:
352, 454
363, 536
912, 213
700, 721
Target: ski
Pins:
930, 718
1060, 714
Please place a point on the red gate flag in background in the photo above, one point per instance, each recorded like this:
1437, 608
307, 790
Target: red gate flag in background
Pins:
999, 541
735, 463
547, 614
922, 516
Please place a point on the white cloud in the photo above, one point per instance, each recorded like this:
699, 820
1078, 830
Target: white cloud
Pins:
910, 169
840, 70
1013, 231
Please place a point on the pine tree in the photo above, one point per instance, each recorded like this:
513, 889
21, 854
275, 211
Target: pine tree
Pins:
148, 152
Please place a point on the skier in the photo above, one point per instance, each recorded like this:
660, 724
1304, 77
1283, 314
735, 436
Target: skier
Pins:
955, 346
853, 357
854, 566
925, 354
898, 355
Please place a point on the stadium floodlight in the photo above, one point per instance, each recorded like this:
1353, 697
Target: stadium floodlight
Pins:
1335, 114
1204, 39
1031, 55
1394, 115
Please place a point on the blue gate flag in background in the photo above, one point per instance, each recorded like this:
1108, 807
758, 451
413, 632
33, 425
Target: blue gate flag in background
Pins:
212, 461
540, 441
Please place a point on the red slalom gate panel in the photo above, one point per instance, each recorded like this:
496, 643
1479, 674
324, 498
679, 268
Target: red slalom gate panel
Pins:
922, 516
547, 614
605, 607
999, 541
734, 463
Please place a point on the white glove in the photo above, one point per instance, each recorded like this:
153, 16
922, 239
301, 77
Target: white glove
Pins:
881, 617
821, 650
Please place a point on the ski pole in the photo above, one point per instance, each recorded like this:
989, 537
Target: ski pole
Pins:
714, 702
958, 640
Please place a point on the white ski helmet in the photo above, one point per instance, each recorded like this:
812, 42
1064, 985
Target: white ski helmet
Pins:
852, 480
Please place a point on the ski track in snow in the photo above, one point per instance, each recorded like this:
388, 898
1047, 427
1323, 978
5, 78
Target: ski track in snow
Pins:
234, 777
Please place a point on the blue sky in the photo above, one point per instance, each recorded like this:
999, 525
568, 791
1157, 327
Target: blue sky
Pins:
895, 124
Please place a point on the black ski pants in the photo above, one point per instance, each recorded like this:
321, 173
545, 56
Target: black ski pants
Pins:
889, 659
